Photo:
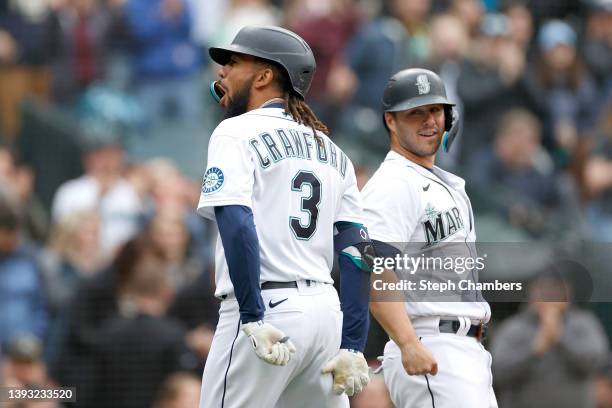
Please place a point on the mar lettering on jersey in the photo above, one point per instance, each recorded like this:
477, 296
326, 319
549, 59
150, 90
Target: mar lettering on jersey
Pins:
440, 225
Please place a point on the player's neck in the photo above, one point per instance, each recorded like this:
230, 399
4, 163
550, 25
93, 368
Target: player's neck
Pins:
258, 100
427, 161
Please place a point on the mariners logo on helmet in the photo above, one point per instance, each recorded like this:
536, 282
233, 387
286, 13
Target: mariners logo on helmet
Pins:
423, 84
213, 180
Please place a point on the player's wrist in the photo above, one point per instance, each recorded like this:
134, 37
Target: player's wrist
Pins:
408, 344
352, 348
352, 351
250, 318
250, 327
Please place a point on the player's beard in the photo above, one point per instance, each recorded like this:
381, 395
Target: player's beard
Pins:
239, 102
420, 149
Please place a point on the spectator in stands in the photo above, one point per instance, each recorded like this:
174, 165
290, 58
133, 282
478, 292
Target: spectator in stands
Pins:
136, 351
22, 300
544, 10
197, 309
82, 53
169, 188
470, 12
327, 28
490, 83
597, 42
24, 366
520, 23
603, 385
516, 177
165, 58
17, 180
546, 355
102, 188
180, 390
379, 49
72, 255
449, 46
567, 88
170, 234
29, 35
598, 180
239, 13
96, 301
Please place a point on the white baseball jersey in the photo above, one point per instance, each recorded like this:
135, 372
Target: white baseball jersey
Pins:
407, 203
297, 188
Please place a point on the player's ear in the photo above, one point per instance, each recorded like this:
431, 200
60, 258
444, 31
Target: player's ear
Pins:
263, 77
390, 121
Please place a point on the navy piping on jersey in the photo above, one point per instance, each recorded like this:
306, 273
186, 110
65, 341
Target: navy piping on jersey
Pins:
228, 365
433, 402
274, 105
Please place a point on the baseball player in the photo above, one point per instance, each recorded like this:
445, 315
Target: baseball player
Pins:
283, 196
434, 357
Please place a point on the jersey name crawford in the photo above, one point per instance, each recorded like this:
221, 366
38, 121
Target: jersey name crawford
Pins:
272, 147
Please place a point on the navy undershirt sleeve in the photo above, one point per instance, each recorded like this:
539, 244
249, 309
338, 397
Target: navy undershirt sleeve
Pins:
241, 247
354, 298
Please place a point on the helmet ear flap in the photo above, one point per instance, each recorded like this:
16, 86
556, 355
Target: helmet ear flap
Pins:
448, 117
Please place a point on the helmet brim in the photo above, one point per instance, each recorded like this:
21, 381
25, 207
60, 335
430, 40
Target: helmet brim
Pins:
418, 102
222, 55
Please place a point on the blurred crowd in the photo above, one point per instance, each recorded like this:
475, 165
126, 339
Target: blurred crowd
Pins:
105, 269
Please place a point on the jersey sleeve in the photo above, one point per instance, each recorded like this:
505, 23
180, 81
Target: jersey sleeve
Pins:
351, 204
229, 176
390, 208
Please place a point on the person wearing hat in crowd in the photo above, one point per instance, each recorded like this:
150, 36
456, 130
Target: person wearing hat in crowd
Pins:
567, 91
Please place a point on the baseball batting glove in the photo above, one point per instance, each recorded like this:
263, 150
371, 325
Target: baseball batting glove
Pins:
350, 371
270, 344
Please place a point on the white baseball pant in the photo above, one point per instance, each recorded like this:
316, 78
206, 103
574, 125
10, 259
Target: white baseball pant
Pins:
234, 377
464, 378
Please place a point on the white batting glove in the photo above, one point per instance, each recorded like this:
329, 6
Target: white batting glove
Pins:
350, 371
270, 344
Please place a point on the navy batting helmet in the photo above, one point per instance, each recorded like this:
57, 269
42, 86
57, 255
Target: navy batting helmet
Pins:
415, 87
275, 44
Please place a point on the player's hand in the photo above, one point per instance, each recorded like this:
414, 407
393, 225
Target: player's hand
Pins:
270, 344
418, 360
350, 371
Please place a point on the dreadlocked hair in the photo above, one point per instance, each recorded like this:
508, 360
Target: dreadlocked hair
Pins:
295, 104
301, 112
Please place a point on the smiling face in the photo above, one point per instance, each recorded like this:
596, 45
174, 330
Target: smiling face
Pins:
417, 133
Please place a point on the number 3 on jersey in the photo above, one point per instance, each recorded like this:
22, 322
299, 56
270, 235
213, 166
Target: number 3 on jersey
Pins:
310, 204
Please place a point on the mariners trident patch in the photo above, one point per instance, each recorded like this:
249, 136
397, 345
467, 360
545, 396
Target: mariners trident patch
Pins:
213, 180
423, 84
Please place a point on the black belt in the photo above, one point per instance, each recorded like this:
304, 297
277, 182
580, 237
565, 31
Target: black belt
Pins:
283, 285
452, 326
278, 285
